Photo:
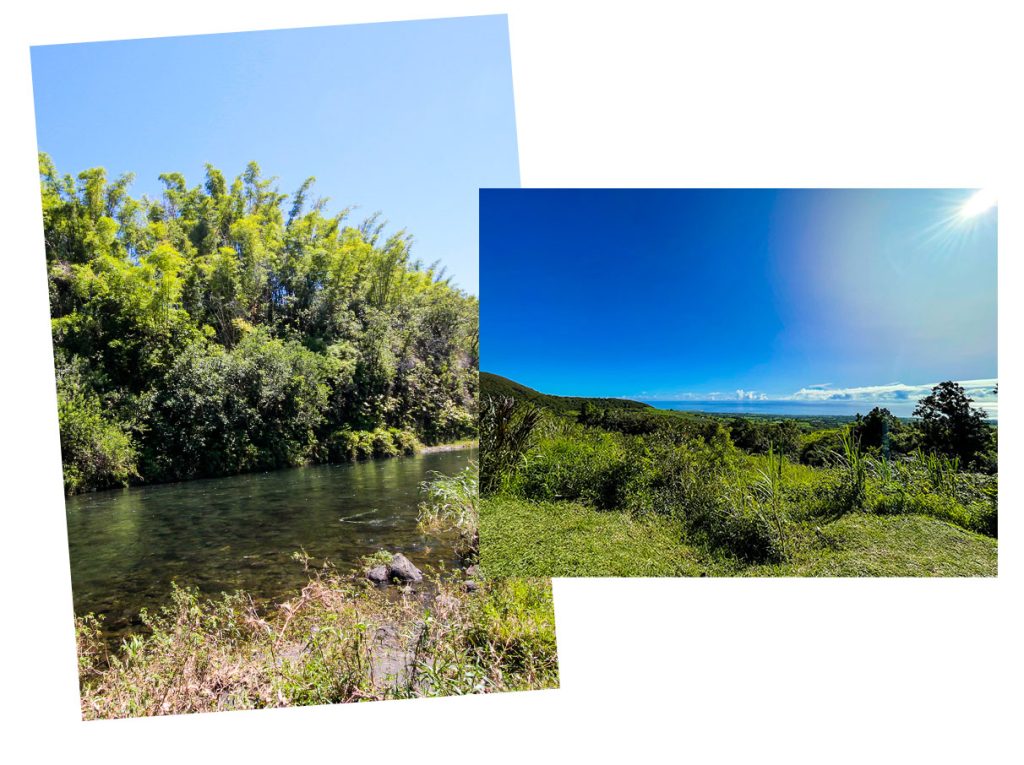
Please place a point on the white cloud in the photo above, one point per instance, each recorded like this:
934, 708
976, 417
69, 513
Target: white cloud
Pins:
750, 395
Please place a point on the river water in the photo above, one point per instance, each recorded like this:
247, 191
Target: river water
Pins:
240, 532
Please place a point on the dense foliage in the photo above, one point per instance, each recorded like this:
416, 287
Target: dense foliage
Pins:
227, 327
733, 488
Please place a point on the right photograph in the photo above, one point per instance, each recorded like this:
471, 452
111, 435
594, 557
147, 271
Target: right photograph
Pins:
738, 382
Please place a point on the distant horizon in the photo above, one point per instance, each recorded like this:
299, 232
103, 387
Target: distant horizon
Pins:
902, 400
788, 408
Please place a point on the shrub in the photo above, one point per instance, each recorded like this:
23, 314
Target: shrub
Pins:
723, 516
97, 450
845, 489
405, 441
507, 431
820, 447
351, 445
584, 467
383, 444
927, 484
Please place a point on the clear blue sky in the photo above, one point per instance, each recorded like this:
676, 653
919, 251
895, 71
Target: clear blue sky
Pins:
805, 296
409, 118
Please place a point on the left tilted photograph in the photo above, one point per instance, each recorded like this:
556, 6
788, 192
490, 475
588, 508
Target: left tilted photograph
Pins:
261, 255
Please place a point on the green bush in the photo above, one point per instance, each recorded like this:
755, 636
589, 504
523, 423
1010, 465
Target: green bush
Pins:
352, 445
384, 444
980, 517
818, 449
97, 450
405, 441
584, 467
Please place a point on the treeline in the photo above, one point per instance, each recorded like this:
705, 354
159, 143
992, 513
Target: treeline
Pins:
227, 327
945, 424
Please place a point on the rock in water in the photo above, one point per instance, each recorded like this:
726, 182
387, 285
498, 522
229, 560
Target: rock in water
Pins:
401, 568
378, 574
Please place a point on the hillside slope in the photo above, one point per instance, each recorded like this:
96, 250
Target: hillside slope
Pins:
496, 385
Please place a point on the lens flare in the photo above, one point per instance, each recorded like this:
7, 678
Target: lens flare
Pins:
980, 202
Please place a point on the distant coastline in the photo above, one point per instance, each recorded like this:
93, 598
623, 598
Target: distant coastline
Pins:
793, 408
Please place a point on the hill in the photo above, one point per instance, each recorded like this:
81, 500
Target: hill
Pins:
496, 385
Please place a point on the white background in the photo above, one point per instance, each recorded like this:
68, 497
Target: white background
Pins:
623, 94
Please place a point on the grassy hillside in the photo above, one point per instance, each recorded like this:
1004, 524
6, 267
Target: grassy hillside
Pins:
604, 491
495, 385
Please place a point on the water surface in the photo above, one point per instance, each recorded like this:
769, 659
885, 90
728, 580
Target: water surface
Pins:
239, 532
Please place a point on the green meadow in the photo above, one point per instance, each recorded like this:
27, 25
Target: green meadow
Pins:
578, 487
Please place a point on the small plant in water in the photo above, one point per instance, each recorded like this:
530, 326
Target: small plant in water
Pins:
452, 504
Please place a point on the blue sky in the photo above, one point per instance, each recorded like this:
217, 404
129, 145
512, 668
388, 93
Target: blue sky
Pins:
409, 118
839, 299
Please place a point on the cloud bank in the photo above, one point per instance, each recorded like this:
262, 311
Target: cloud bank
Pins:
980, 390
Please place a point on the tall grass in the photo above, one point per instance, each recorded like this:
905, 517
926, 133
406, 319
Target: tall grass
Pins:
754, 509
451, 504
769, 490
929, 484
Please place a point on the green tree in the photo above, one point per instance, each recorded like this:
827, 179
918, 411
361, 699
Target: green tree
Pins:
221, 328
949, 425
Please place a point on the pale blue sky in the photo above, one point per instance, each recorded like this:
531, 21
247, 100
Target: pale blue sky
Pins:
409, 118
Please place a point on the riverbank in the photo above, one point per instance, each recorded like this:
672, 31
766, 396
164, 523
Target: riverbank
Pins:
339, 640
452, 447
362, 448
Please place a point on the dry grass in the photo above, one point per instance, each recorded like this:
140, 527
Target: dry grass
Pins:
339, 640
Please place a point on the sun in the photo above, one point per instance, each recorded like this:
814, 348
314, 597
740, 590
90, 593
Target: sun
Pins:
980, 202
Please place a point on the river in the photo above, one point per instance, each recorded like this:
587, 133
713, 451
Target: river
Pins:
240, 532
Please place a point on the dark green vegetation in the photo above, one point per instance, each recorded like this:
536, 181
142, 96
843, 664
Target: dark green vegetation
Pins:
644, 492
226, 328
498, 387
339, 639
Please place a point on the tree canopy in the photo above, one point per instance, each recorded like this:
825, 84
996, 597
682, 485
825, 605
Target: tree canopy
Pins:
951, 426
227, 327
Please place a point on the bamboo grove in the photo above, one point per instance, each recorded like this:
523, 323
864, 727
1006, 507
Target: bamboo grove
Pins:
227, 327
